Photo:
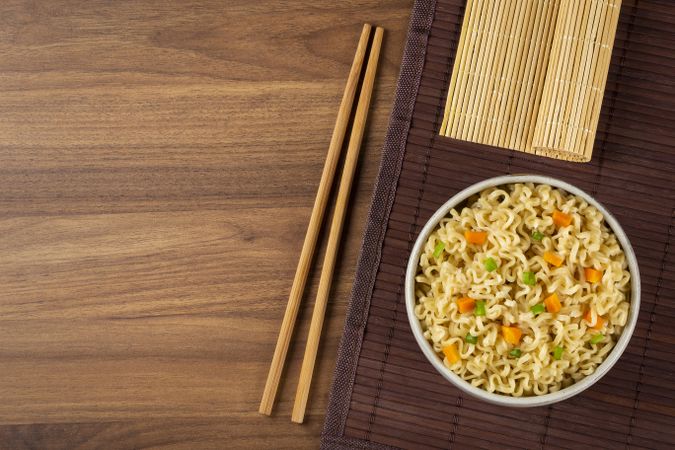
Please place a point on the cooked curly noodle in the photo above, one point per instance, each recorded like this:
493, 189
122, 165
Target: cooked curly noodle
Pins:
510, 214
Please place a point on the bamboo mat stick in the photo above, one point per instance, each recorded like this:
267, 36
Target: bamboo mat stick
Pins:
499, 83
552, 86
552, 65
540, 77
593, 97
472, 16
585, 84
479, 34
589, 101
506, 81
590, 53
489, 24
585, 138
527, 59
496, 77
564, 64
456, 68
511, 102
535, 81
485, 79
538, 68
463, 67
582, 56
531, 64
492, 101
556, 63
325, 281
578, 16
557, 82
581, 78
286, 331
601, 74
507, 74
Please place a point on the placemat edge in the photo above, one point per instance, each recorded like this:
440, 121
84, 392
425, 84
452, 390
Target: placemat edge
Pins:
408, 83
341, 443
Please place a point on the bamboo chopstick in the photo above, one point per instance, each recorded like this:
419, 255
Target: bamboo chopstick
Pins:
351, 159
286, 331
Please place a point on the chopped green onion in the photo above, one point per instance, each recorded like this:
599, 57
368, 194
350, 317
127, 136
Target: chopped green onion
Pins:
471, 339
480, 308
438, 249
537, 236
529, 278
490, 264
597, 338
515, 353
538, 309
557, 352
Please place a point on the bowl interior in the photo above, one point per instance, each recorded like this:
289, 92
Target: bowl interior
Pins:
460, 200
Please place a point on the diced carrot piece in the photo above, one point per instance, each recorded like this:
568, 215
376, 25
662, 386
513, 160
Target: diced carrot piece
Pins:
592, 275
553, 258
475, 237
552, 303
466, 304
561, 219
511, 334
451, 353
599, 322
588, 317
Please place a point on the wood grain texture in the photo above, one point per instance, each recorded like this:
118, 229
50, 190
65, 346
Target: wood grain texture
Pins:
158, 164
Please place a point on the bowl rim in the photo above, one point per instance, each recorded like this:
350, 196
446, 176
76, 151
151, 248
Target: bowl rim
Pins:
502, 399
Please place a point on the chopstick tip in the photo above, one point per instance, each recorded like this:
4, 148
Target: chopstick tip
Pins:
299, 419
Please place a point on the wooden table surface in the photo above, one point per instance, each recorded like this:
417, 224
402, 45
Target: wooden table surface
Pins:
158, 163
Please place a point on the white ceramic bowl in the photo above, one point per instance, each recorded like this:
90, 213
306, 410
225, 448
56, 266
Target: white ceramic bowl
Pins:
502, 399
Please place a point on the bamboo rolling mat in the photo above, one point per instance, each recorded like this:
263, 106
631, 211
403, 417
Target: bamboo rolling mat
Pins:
530, 75
385, 394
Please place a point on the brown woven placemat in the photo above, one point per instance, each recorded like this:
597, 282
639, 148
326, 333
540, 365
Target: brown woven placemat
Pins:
384, 392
